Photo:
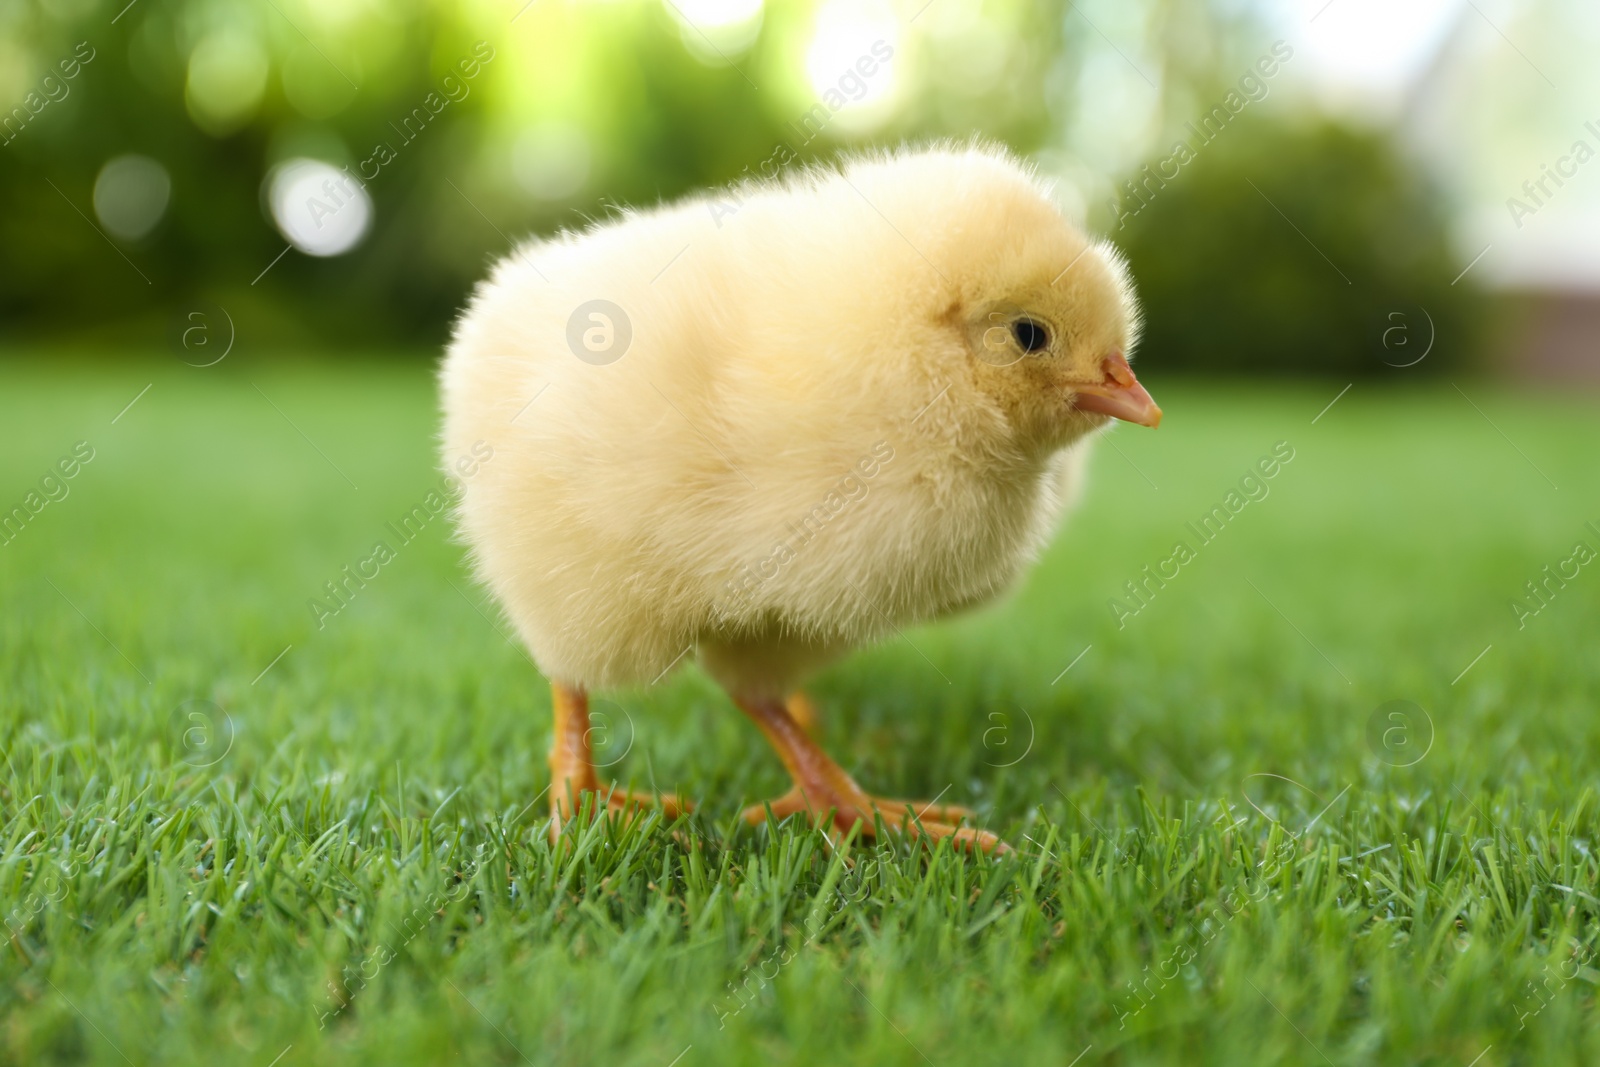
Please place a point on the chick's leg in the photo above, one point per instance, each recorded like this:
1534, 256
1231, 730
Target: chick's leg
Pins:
572, 765
802, 710
820, 784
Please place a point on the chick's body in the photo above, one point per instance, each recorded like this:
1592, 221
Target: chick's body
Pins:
792, 454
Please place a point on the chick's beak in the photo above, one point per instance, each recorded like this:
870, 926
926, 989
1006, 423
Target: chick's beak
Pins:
1120, 395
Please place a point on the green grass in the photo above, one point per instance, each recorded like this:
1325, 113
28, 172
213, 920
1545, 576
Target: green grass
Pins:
361, 825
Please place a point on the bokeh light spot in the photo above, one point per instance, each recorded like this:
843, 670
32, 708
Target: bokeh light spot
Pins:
227, 77
551, 160
130, 196
714, 31
842, 51
320, 209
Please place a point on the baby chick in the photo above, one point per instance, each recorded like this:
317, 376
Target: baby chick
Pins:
770, 427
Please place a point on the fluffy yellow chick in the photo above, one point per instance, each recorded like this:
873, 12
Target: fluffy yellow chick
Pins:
768, 427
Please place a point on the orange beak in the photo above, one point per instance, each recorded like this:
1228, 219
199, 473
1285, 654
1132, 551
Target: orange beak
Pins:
1120, 395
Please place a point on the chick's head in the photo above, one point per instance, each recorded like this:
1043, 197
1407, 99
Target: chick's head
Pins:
1044, 317
1050, 319
1053, 353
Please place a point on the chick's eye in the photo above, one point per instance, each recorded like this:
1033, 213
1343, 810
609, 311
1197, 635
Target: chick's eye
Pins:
1031, 335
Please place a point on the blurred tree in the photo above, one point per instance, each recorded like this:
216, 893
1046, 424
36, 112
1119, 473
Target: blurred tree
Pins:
585, 107
1292, 246
217, 92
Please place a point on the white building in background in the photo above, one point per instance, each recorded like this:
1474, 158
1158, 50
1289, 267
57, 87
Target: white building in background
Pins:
1499, 100
1506, 115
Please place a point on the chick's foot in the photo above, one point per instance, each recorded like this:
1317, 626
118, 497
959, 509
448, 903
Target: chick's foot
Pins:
821, 786
921, 818
572, 767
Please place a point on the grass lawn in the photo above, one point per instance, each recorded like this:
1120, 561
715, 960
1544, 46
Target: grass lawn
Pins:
213, 850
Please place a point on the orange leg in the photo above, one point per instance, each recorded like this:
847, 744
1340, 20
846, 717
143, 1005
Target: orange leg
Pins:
821, 784
802, 711
572, 765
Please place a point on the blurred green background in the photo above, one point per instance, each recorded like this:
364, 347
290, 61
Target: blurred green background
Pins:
1298, 190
